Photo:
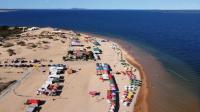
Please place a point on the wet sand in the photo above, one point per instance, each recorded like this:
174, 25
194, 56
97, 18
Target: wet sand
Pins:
165, 92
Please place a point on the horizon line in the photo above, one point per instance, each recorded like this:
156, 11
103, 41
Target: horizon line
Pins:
92, 9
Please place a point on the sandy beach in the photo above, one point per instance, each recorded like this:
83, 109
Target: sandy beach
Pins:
76, 86
142, 100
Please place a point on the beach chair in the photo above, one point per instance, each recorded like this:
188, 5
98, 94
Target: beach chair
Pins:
94, 93
31, 108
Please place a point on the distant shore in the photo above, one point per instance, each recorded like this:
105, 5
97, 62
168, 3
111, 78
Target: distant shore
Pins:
6, 10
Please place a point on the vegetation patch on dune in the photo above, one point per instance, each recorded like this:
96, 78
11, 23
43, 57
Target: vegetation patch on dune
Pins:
11, 52
31, 45
4, 85
6, 31
21, 43
8, 44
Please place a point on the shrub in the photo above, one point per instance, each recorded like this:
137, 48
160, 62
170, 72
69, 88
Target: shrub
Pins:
8, 44
11, 52
45, 42
90, 55
63, 41
6, 31
55, 39
22, 43
50, 37
31, 45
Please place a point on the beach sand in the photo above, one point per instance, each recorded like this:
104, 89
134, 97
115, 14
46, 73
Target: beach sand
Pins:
142, 103
75, 97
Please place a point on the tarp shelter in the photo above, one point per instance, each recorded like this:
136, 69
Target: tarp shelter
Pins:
105, 77
54, 76
55, 70
31, 108
96, 50
112, 81
76, 43
44, 86
33, 28
57, 32
96, 56
32, 101
109, 94
130, 95
48, 81
96, 43
110, 76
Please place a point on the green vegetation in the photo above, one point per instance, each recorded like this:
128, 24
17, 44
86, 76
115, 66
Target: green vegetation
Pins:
11, 52
45, 42
4, 85
31, 45
22, 43
6, 31
8, 44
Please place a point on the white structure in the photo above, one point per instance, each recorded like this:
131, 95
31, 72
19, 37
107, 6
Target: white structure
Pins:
33, 28
105, 76
57, 32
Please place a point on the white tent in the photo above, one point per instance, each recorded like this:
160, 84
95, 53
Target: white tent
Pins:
54, 76
49, 81
105, 76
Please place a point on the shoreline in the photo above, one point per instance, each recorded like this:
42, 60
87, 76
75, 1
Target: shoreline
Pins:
140, 105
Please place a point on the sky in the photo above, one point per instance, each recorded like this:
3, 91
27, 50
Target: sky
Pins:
100, 4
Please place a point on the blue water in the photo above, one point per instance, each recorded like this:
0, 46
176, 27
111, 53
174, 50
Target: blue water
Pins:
173, 37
